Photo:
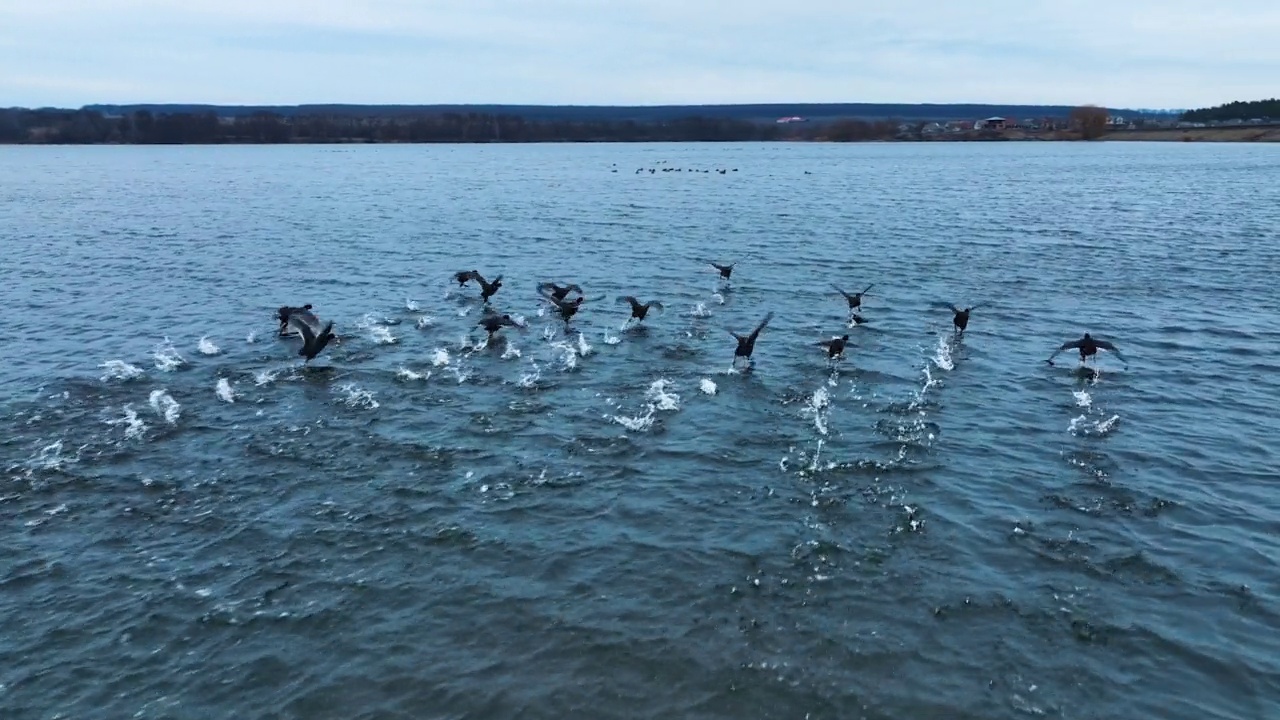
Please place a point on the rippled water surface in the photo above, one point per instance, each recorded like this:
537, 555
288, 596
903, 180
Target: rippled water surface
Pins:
610, 523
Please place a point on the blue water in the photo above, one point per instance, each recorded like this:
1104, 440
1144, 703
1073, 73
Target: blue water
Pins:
611, 523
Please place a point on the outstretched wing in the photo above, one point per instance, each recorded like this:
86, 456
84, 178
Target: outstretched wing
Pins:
1108, 346
837, 289
629, 299
762, 324
469, 275
654, 304
864, 292
1065, 346
306, 330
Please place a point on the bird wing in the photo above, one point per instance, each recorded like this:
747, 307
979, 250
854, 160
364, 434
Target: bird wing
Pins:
864, 292
305, 317
1108, 346
471, 275
762, 324
544, 287
573, 286
840, 291
654, 304
629, 299
308, 333
1065, 346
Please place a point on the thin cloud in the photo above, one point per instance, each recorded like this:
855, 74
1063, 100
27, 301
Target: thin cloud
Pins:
1175, 53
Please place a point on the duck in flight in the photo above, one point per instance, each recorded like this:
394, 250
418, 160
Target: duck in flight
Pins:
725, 270
1088, 346
961, 319
638, 309
854, 299
286, 312
494, 322
567, 308
558, 292
312, 342
747, 343
835, 346
463, 276
487, 289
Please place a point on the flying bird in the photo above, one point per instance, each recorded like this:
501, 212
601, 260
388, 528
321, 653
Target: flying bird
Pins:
835, 346
747, 343
854, 299
638, 309
1088, 346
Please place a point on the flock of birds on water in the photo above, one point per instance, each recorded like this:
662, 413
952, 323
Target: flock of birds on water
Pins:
315, 338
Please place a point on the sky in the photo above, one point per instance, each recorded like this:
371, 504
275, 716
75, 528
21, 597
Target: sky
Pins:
1130, 54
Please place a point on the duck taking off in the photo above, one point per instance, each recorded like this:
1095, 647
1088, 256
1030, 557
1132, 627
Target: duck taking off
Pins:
312, 342
747, 343
558, 292
568, 308
494, 322
1088, 346
725, 270
854, 299
286, 312
463, 276
638, 309
487, 289
835, 346
961, 319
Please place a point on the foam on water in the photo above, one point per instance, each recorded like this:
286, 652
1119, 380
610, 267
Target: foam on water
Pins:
252, 337
610, 339
817, 406
411, 305
353, 396
120, 370
1083, 398
166, 356
440, 357
424, 322
708, 386
658, 397
134, 427
207, 347
165, 406
510, 351
224, 391
266, 377
405, 373
700, 311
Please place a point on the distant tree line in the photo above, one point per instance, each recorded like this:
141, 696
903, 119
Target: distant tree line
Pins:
144, 127
1239, 110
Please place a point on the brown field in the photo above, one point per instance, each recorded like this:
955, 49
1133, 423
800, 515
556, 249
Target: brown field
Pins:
1218, 134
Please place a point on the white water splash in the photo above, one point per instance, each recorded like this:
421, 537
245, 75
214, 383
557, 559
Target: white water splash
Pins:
440, 358
548, 333
659, 398
119, 370
411, 305
382, 336
266, 377
718, 298
224, 391
608, 339
166, 357
50, 457
1083, 399
251, 338
357, 398
700, 311
942, 355
817, 406
530, 379
510, 351
165, 406
134, 427
405, 373
425, 322
1082, 426
584, 348
207, 347
708, 386
568, 355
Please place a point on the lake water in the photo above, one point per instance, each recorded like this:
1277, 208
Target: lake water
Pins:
612, 524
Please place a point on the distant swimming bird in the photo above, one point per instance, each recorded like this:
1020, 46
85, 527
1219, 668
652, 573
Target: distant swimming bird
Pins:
487, 289
312, 343
747, 344
961, 320
493, 322
725, 270
854, 299
558, 292
567, 308
464, 276
285, 312
638, 309
1087, 346
835, 346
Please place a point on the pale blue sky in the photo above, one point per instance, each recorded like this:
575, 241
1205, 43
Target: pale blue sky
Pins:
1134, 53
